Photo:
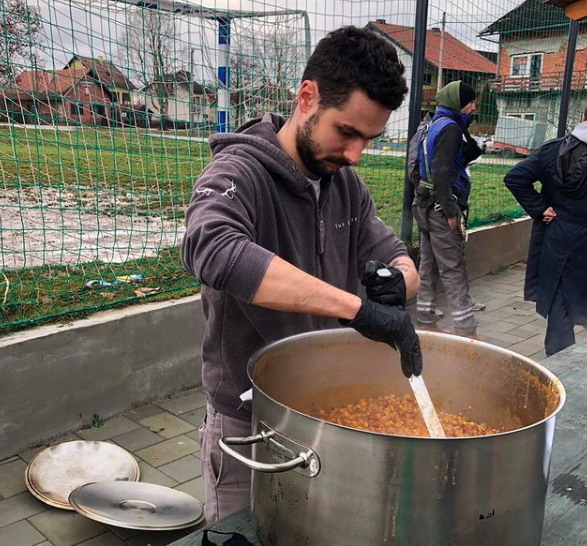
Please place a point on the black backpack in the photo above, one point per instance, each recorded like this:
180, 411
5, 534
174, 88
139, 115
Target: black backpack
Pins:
412, 158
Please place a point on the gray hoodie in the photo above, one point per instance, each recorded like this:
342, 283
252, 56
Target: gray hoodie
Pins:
249, 204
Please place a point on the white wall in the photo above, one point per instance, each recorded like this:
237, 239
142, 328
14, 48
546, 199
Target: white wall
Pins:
397, 126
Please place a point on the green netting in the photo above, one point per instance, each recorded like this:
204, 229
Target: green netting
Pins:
105, 107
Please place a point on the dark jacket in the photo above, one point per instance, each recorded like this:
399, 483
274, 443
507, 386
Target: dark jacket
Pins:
558, 251
450, 149
249, 204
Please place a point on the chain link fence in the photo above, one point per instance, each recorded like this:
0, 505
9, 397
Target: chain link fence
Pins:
105, 107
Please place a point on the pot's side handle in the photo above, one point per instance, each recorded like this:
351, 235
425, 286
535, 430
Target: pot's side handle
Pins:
306, 461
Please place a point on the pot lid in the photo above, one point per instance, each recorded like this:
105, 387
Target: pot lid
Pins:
136, 505
57, 471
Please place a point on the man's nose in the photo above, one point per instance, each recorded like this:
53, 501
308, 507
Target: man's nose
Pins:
353, 151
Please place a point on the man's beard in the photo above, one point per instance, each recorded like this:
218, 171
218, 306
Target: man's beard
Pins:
305, 146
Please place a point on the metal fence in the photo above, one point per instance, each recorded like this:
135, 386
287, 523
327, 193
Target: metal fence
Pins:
105, 107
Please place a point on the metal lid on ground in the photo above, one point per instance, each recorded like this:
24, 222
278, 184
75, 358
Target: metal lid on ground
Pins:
57, 471
135, 505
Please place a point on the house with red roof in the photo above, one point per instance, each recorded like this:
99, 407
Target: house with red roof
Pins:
84, 92
459, 62
533, 42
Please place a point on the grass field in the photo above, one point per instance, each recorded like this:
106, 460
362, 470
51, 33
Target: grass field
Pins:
159, 171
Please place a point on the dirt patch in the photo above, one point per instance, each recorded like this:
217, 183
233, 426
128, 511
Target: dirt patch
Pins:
42, 226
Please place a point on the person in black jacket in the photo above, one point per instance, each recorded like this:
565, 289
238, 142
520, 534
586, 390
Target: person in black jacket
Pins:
557, 256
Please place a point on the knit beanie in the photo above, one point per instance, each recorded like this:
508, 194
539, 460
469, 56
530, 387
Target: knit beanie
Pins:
467, 94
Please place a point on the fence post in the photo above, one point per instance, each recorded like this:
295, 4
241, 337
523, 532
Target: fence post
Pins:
415, 109
568, 79
223, 119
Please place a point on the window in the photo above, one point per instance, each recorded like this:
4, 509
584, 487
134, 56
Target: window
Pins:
526, 64
125, 98
427, 78
535, 65
76, 109
523, 115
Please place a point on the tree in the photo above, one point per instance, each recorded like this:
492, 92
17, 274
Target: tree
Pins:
151, 51
266, 65
20, 35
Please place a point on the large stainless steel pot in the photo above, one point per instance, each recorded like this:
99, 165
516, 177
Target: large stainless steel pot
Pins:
320, 484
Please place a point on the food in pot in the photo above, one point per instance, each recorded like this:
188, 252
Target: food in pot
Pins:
399, 415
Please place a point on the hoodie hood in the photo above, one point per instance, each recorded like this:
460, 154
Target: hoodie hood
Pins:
450, 96
258, 138
571, 164
580, 131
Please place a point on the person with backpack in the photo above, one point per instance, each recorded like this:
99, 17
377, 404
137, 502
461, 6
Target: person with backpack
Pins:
557, 254
438, 170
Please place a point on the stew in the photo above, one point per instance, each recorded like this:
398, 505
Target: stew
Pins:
399, 415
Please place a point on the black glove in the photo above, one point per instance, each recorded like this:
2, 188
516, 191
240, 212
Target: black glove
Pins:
393, 326
388, 287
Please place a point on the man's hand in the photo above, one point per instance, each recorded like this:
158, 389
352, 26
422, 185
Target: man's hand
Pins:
453, 223
548, 215
393, 326
384, 284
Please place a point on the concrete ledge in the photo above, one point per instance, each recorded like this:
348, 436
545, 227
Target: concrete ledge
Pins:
54, 378
492, 247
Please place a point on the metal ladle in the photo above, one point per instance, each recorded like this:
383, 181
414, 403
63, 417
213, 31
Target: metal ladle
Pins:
421, 393
427, 410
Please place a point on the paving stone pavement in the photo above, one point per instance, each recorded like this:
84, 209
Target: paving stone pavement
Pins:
163, 435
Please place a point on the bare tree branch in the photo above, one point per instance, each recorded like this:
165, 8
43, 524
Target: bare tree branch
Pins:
151, 51
20, 28
266, 65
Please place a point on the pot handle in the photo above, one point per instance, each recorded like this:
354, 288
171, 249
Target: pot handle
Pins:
306, 462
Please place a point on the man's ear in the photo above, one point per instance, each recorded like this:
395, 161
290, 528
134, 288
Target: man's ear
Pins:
308, 97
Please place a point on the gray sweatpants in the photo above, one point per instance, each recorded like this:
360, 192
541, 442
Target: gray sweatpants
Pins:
227, 483
442, 257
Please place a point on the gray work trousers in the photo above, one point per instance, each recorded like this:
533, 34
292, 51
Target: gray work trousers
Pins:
442, 257
227, 483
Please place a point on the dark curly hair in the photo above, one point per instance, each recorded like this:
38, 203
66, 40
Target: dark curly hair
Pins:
350, 59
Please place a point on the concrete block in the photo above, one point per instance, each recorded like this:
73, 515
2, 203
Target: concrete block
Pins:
110, 429
142, 412
529, 346
20, 534
156, 538
137, 439
195, 417
107, 539
167, 425
19, 507
520, 319
169, 450
105, 364
149, 474
66, 528
195, 488
12, 478
493, 247
195, 435
184, 404
184, 469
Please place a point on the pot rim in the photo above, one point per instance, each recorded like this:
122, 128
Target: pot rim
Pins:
556, 382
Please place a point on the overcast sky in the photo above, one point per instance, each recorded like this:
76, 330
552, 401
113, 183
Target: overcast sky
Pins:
93, 27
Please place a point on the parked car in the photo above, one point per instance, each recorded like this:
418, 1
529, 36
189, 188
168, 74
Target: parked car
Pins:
485, 143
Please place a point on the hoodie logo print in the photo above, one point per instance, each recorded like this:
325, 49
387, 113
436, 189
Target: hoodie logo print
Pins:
230, 191
206, 191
